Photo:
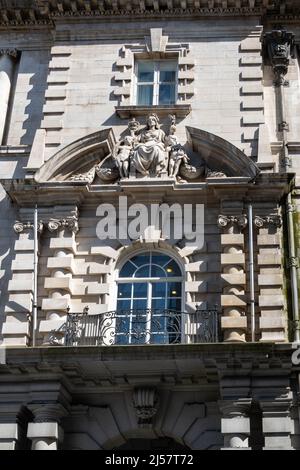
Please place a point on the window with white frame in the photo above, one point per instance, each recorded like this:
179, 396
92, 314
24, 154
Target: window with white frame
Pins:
149, 300
156, 82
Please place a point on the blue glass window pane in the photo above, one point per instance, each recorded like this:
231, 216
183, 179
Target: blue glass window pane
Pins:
139, 304
123, 305
139, 260
159, 289
145, 72
159, 259
167, 76
174, 304
174, 289
140, 289
127, 270
143, 271
158, 304
157, 271
172, 269
124, 290
145, 95
166, 94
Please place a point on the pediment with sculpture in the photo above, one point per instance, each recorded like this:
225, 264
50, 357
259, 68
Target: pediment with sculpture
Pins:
146, 152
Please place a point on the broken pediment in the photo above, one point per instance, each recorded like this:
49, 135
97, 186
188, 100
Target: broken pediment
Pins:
220, 155
78, 158
146, 151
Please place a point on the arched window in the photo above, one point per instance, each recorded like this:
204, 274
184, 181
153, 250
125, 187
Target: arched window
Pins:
149, 300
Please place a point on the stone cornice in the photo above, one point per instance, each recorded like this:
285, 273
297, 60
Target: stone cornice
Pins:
42, 12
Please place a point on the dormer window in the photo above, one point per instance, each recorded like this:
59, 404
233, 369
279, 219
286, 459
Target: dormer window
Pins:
156, 82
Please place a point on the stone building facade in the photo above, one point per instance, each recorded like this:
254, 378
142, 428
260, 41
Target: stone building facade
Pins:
148, 340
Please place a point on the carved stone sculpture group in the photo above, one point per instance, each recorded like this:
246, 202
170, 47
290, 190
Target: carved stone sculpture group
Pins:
148, 153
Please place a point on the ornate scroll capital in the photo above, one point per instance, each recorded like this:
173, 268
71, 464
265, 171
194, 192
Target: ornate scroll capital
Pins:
9, 51
225, 220
145, 402
71, 223
261, 222
19, 227
279, 48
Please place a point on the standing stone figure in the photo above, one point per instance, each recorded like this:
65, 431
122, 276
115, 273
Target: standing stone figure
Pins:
177, 154
122, 155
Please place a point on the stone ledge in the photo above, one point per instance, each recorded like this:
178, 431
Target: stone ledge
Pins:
180, 110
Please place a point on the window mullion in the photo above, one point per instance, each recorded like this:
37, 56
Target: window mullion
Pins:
156, 83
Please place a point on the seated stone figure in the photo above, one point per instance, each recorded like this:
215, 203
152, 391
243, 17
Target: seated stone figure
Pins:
149, 155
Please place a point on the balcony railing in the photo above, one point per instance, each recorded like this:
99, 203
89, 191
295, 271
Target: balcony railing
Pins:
147, 326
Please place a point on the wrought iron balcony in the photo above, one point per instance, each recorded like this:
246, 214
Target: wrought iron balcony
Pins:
148, 326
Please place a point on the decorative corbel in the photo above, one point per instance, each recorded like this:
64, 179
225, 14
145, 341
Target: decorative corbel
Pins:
145, 402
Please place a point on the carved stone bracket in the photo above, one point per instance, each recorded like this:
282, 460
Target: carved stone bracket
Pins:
261, 222
71, 223
240, 220
145, 402
279, 47
19, 227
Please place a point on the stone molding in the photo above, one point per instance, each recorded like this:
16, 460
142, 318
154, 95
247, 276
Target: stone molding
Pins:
44, 12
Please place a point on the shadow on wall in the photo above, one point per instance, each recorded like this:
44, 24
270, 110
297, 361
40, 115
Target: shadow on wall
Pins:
7, 241
36, 97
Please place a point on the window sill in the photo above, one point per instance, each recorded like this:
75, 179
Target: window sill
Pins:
180, 110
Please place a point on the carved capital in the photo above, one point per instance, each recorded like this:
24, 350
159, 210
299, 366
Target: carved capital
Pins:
225, 220
261, 222
239, 408
47, 412
9, 51
145, 402
71, 223
19, 227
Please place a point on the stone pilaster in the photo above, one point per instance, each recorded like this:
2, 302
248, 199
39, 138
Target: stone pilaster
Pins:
235, 424
7, 60
13, 420
16, 329
277, 423
234, 321
59, 284
272, 322
46, 432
